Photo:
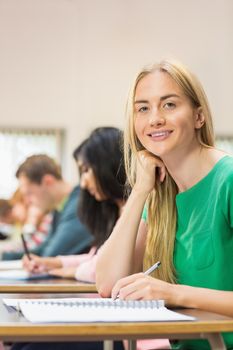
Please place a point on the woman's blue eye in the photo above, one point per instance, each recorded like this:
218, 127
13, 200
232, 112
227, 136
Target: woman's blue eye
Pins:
143, 109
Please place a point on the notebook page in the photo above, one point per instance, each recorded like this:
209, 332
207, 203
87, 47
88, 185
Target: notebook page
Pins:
11, 265
21, 275
98, 310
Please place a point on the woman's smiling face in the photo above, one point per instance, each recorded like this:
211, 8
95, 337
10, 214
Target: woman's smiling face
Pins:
164, 118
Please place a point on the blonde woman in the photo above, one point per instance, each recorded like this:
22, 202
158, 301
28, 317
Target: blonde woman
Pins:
185, 186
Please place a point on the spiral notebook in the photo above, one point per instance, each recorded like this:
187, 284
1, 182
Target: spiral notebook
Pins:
22, 275
94, 310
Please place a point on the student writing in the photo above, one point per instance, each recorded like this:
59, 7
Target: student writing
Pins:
42, 185
102, 196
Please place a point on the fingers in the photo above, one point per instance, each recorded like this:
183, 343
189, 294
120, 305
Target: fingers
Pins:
28, 265
149, 163
34, 265
135, 294
39, 268
162, 173
138, 287
118, 288
25, 261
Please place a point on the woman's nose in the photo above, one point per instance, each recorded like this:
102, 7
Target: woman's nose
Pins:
156, 118
83, 182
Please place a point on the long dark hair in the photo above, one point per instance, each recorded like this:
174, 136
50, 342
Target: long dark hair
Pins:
102, 152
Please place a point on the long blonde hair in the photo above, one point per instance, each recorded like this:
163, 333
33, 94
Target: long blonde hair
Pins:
161, 206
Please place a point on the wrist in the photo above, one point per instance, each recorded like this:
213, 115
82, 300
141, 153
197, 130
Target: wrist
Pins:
139, 191
183, 296
57, 262
175, 295
170, 294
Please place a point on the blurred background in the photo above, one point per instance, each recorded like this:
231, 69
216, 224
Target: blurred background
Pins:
66, 67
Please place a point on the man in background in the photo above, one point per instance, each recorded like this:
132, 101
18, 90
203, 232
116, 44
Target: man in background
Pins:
40, 181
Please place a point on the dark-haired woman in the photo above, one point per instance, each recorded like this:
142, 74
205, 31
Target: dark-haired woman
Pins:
102, 179
102, 182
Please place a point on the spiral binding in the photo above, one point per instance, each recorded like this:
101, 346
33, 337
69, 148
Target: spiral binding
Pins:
138, 304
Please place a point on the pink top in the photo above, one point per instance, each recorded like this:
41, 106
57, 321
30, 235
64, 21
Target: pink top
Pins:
85, 265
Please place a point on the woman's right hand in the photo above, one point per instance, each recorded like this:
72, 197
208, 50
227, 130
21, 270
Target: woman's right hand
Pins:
146, 171
39, 264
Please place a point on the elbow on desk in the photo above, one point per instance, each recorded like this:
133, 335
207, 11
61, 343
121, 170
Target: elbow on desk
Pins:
103, 293
104, 289
104, 283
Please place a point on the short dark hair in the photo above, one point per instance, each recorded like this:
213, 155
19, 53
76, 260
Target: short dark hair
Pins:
102, 151
36, 166
5, 208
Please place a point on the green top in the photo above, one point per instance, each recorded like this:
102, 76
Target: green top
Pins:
204, 237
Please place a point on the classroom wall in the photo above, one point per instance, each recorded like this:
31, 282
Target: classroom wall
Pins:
69, 63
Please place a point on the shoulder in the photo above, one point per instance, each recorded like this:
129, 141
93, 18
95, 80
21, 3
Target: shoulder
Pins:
74, 194
223, 169
223, 181
70, 208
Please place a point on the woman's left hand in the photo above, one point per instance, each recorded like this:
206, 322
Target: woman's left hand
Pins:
65, 272
142, 287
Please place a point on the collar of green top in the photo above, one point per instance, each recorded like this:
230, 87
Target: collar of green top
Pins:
61, 205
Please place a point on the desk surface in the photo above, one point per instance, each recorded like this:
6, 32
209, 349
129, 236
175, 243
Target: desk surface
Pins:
14, 327
55, 285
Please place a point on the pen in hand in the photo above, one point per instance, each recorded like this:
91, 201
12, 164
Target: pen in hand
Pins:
152, 268
148, 272
25, 247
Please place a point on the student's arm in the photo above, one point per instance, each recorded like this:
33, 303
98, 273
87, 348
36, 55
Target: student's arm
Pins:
38, 264
117, 257
84, 271
76, 260
122, 253
87, 270
64, 263
139, 287
212, 300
